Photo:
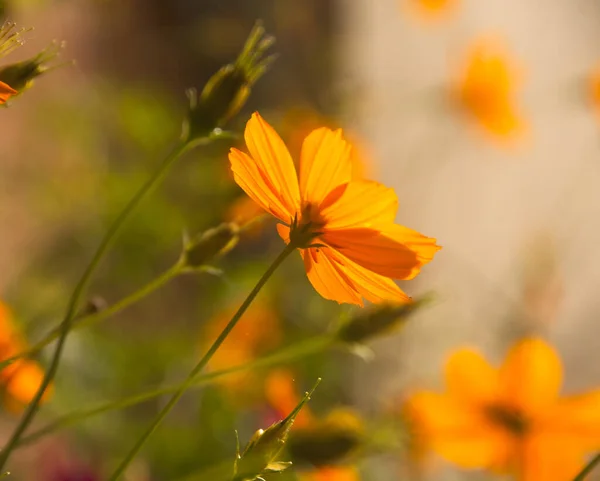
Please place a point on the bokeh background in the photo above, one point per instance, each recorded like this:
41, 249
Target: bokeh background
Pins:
517, 215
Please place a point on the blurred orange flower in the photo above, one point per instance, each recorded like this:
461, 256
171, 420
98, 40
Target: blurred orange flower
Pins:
594, 88
433, 9
281, 394
257, 332
344, 228
510, 419
487, 89
21, 379
332, 473
6, 92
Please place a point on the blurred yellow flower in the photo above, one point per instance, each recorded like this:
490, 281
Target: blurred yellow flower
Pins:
256, 333
22, 378
332, 473
509, 419
487, 87
432, 9
344, 227
6, 92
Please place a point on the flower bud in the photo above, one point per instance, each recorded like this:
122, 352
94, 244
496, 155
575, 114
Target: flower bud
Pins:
20, 75
327, 441
210, 245
227, 90
259, 456
377, 321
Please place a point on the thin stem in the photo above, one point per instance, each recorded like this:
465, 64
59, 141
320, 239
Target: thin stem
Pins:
589, 467
291, 353
79, 292
92, 318
203, 362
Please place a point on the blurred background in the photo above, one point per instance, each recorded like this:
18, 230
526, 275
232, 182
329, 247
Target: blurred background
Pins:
515, 207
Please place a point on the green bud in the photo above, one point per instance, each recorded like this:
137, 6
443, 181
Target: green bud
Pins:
210, 245
376, 321
328, 441
20, 75
260, 454
226, 91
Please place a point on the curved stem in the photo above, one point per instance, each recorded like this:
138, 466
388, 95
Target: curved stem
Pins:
291, 353
589, 467
89, 319
202, 363
79, 292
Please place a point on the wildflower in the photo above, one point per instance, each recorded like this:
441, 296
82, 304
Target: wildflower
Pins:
344, 227
332, 473
433, 9
20, 75
22, 378
510, 419
6, 92
487, 88
257, 332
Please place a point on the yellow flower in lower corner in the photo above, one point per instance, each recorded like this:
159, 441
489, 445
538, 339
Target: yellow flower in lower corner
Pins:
344, 227
510, 419
487, 89
21, 379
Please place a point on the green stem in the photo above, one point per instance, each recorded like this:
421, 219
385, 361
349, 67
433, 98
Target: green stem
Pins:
202, 363
291, 353
89, 319
79, 292
589, 467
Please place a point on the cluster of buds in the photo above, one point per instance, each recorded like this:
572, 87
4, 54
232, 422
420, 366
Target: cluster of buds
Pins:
262, 451
209, 245
227, 90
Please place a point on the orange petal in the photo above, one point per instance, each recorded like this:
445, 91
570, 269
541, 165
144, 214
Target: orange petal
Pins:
254, 182
6, 91
578, 417
471, 379
329, 278
362, 204
25, 382
549, 458
273, 160
371, 286
455, 430
376, 251
324, 164
531, 376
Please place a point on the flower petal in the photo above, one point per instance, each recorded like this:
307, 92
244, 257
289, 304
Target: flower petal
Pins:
273, 160
548, 457
324, 164
578, 417
471, 379
383, 252
349, 210
454, 430
531, 376
253, 181
6, 92
329, 278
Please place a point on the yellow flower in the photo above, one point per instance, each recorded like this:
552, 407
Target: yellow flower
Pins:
432, 9
344, 227
510, 419
487, 89
257, 333
6, 92
22, 378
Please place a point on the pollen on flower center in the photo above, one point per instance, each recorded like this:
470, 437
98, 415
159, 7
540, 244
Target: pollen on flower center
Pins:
509, 418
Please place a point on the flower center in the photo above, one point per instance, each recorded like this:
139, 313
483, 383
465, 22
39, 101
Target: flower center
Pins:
509, 418
304, 229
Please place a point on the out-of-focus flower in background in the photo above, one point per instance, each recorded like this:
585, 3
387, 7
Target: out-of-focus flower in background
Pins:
509, 419
432, 9
332, 473
281, 395
349, 251
258, 332
487, 89
594, 89
21, 379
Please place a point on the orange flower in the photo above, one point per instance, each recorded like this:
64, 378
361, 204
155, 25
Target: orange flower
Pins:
257, 332
487, 88
332, 473
6, 92
22, 378
344, 227
433, 9
280, 393
510, 419
594, 88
